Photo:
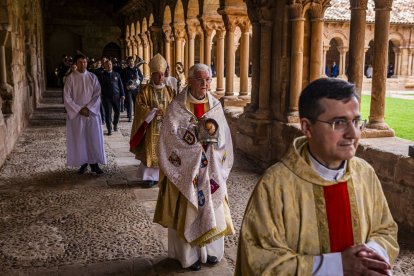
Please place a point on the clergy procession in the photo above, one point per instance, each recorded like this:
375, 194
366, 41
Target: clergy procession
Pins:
319, 211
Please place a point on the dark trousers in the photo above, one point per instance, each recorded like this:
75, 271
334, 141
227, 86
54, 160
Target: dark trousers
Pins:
102, 110
110, 103
128, 103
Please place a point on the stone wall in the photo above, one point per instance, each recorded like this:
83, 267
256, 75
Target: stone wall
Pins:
388, 156
20, 89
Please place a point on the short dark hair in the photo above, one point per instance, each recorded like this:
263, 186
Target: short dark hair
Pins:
129, 58
329, 88
79, 56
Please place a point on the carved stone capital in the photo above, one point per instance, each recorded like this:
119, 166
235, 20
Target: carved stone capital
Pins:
383, 5
179, 31
192, 27
316, 10
221, 34
343, 49
296, 11
245, 25
167, 32
359, 4
230, 22
144, 39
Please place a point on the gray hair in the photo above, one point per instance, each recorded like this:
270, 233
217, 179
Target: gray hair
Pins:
199, 67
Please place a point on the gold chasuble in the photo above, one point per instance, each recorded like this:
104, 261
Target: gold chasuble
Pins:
290, 217
176, 208
146, 134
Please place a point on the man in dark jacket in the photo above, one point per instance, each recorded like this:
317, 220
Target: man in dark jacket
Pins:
112, 92
132, 78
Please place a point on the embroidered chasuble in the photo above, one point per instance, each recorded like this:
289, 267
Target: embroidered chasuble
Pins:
294, 215
193, 176
144, 134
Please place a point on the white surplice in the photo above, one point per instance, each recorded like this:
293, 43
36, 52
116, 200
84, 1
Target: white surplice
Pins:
85, 143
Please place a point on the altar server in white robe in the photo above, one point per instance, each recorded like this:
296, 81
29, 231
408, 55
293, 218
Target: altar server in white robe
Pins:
85, 144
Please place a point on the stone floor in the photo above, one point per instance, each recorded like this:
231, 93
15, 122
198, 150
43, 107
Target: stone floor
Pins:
55, 222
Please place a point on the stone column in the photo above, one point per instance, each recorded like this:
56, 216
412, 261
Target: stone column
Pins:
230, 25
186, 67
140, 48
150, 44
191, 34
146, 55
201, 44
167, 44
397, 61
220, 62
135, 46
155, 32
316, 41
4, 33
404, 62
208, 30
410, 62
244, 60
342, 57
296, 72
263, 112
179, 34
356, 48
325, 50
379, 77
256, 38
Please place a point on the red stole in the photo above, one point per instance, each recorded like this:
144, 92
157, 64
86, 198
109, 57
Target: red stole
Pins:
198, 110
338, 211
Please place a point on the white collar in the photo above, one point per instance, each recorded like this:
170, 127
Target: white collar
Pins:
157, 86
195, 100
326, 173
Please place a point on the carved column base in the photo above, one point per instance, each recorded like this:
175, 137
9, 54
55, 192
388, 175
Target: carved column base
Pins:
232, 101
376, 124
377, 133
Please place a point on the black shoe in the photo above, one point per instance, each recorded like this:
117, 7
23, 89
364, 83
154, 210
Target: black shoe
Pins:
83, 168
129, 120
109, 132
115, 127
196, 266
151, 183
95, 168
212, 260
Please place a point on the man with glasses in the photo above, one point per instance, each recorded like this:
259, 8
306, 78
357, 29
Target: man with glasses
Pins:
195, 154
320, 210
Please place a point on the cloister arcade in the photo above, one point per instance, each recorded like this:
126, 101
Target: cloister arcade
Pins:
288, 44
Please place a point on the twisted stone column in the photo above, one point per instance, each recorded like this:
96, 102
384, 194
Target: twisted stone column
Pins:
379, 77
356, 48
296, 72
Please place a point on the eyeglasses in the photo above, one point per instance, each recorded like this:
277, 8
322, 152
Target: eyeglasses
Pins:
342, 124
201, 80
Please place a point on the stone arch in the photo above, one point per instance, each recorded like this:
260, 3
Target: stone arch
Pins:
167, 16
138, 27
397, 39
144, 26
338, 35
132, 29
193, 9
179, 12
127, 31
112, 50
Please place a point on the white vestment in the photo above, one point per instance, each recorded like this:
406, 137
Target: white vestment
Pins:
85, 143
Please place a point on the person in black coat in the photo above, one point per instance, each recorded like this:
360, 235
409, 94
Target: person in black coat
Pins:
112, 92
132, 78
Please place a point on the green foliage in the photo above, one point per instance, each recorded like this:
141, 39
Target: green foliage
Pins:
399, 115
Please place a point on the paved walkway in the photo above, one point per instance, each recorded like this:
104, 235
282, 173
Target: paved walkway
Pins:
55, 222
